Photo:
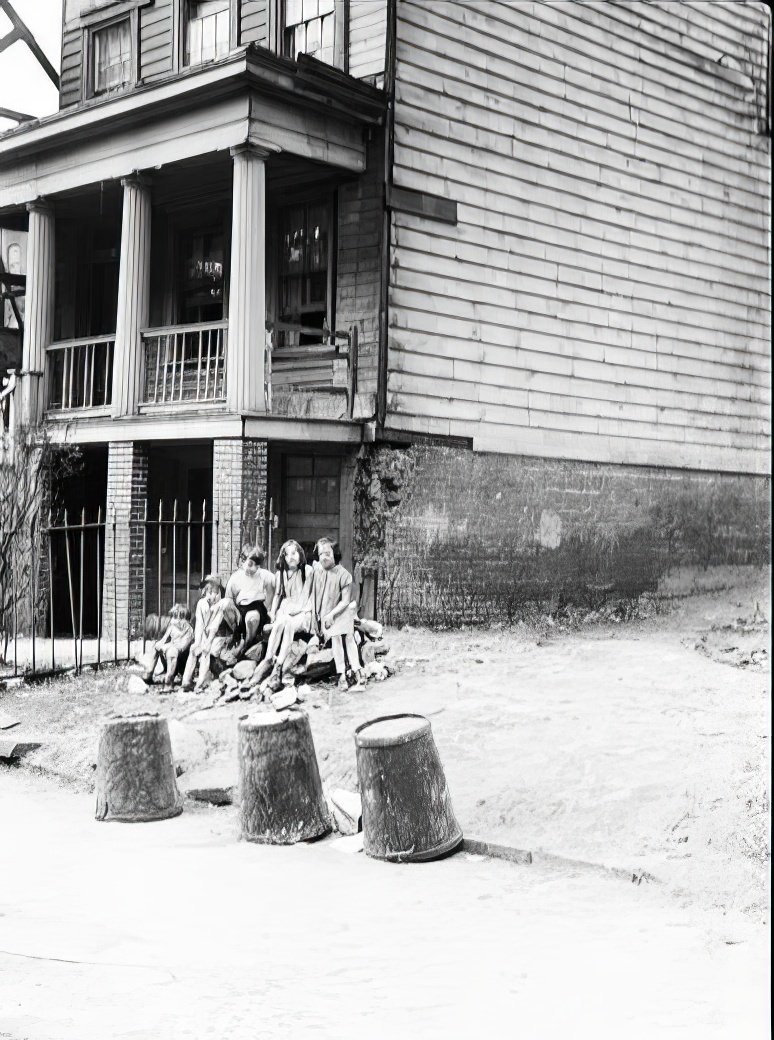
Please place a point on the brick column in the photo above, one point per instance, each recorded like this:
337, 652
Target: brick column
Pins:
127, 489
239, 497
38, 310
133, 294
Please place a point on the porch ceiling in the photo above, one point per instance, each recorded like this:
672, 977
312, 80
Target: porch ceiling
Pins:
302, 110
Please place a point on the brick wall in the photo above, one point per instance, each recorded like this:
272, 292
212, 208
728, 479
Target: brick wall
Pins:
462, 536
127, 489
239, 497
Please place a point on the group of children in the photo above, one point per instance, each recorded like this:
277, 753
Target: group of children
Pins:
304, 603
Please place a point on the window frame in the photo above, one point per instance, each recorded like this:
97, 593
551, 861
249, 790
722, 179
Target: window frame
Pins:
329, 200
101, 18
181, 30
340, 33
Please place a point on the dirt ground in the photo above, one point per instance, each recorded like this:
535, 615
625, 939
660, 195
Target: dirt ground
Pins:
633, 742
640, 744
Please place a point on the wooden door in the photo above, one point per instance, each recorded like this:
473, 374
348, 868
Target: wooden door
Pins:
311, 495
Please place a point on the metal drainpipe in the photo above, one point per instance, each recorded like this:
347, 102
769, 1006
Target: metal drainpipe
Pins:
389, 148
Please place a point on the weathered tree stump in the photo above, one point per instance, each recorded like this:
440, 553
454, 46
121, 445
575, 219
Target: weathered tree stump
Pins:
135, 771
407, 811
281, 795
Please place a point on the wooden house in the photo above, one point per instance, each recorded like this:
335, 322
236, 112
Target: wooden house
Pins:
277, 247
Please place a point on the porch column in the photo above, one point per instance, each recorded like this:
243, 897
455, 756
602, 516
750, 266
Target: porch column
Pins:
247, 287
38, 309
133, 294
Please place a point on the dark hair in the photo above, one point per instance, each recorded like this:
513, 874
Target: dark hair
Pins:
333, 545
252, 552
281, 560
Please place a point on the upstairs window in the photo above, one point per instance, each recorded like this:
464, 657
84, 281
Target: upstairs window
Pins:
308, 28
112, 57
206, 30
305, 265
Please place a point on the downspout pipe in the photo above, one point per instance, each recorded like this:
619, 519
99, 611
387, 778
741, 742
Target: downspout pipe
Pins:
389, 151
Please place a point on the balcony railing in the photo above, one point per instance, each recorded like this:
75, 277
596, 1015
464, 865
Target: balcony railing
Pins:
79, 373
185, 363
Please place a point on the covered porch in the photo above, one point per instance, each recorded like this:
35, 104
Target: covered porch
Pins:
209, 282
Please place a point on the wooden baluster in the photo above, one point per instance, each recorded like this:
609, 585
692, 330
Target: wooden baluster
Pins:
157, 340
207, 373
199, 370
108, 392
181, 366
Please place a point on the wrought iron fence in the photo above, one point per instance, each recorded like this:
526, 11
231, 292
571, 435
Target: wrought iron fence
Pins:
80, 587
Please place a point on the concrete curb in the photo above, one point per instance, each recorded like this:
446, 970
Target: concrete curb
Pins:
490, 849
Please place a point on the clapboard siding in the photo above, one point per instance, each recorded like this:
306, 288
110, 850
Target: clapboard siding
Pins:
605, 293
254, 22
367, 38
156, 39
70, 85
360, 219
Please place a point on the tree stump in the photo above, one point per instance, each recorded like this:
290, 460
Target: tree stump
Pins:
407, 811
281, 795
135, 771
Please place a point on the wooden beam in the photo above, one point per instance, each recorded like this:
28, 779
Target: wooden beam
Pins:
24, 34
19, 117
422, 204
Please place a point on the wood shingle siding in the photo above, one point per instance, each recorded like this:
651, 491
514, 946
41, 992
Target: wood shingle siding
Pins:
367, 38
156, 41
70, 76
606, 291
254, 22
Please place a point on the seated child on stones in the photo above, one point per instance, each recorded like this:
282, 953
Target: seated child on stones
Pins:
251, 588
172, 649
291, 613
212, 593
220, 641
333, 613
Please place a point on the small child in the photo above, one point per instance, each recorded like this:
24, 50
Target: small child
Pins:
333, 613
220, 641
174, 645
212, 593
252, 589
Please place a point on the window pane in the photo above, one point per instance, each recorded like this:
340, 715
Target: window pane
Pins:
310, 9
327, 465
293, 12
299, 465
313, 32
112, 56
326, 6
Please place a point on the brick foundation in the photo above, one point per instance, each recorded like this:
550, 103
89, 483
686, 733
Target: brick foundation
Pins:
127, 489
463, 537
239, 498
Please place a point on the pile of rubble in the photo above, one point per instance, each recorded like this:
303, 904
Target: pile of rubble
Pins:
301, 668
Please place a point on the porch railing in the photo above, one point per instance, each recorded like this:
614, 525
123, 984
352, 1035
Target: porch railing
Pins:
328, 360
79, 373
185, 363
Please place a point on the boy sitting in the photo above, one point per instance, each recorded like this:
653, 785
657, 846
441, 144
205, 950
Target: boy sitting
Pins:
251, 588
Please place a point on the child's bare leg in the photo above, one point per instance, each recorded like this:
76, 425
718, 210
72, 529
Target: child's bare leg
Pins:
190, 669
205, 673
148, 675
252, 624
353, 655
291, 628
171, 655
337, 644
